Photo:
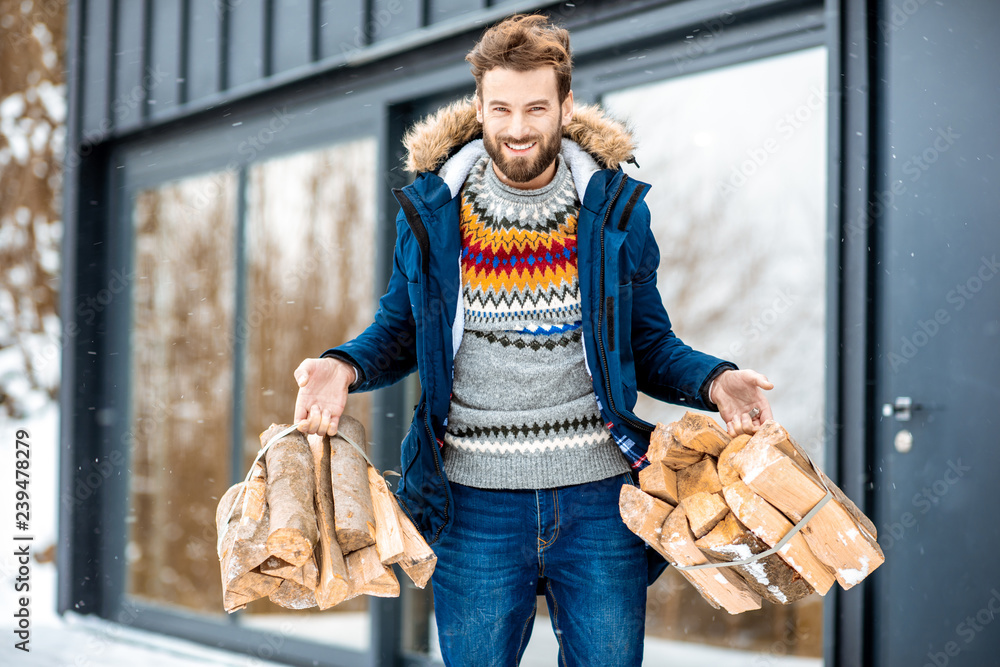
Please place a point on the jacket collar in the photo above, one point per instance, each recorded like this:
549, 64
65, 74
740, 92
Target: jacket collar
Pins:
449, 142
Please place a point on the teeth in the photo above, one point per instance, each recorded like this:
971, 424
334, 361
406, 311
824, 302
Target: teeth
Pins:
520, 147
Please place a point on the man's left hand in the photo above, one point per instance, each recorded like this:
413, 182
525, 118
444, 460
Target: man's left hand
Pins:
737, 393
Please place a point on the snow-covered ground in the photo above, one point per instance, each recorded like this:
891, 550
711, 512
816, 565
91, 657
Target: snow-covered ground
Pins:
84, 641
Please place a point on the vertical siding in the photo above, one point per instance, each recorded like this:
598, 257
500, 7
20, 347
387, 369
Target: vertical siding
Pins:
165, 56
95, 117
291, 22
132, 83
393, 18
443, 10
204, 48
340, 27
245, 42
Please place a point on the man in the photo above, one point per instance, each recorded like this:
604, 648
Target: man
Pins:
524, 293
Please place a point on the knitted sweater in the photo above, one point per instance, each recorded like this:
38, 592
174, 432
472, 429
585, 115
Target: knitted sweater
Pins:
523, 412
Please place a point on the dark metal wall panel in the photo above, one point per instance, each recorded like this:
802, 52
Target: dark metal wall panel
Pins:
442, 10
166, 42
96, 51
202, 77
291, 44
391, 18
341, 27
130, 92
246, 42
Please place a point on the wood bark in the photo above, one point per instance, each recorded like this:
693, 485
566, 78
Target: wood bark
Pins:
832, 534
354, 514
719, 586
418, 560
388, 532
333, 586
770, 577
291, 488
770, 525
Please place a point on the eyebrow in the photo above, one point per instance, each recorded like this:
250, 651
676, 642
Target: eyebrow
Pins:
527, 104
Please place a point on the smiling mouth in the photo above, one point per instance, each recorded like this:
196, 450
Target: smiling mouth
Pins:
520, 148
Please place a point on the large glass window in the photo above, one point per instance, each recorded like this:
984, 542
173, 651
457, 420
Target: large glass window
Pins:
310, 263
183, 309
202, 315
737, 162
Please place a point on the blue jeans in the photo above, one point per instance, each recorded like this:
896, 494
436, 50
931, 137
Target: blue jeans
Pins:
570, 542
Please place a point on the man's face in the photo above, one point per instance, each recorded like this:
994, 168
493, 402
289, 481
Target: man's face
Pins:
522, 123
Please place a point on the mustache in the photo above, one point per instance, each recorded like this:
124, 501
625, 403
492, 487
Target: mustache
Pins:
512, 140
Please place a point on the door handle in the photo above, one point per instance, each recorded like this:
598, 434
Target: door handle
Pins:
901, 409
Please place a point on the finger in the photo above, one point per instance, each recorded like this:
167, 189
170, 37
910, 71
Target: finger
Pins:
746, 424
765, 412
324, 423
301, 373
761, 381
731, 427
315, 416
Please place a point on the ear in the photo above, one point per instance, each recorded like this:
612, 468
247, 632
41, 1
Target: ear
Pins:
479, 109
567, 108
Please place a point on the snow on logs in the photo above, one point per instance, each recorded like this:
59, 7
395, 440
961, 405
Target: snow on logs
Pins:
708, 498
314, 526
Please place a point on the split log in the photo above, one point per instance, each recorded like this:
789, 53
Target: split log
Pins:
698, 478
719, 586
665, 447
643, 514
388, 532
660, 481
293, 595
770, 577
368, 576
728, 474
333, 586
290, 490
354, 515
770, 525
832, 534
704, 511
254, 495
241, 549
777, 436
701, 433
418, 560
306, 574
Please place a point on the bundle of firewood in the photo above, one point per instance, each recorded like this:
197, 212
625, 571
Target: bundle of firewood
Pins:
315, 525
709, 498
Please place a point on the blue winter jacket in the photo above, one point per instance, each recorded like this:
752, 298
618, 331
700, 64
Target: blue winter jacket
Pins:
628, 342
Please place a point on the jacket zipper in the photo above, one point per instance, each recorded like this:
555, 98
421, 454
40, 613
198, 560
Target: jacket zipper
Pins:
420, 234
600, 322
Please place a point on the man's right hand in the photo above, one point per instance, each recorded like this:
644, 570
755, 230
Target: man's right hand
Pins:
322, 395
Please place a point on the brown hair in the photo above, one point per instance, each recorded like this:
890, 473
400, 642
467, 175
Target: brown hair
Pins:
524, 42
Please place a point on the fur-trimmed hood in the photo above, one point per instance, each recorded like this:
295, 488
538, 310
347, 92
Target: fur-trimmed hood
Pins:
449, 141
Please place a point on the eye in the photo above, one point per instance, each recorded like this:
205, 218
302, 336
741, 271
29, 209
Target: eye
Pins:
499, 108
538, 108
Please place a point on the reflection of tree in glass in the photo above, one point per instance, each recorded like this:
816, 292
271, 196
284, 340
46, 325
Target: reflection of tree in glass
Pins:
310, 256
181, 390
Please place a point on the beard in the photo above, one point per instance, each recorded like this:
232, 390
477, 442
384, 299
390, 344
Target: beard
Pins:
523, 169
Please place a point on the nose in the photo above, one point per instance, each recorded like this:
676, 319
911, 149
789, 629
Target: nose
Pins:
518, 127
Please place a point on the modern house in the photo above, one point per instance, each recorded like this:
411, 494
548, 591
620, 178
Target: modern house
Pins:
825, 192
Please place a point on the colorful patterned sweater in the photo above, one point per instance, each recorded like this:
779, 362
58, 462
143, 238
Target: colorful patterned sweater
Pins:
523, 412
